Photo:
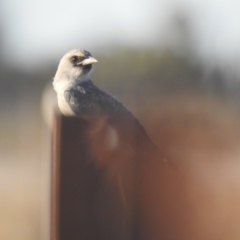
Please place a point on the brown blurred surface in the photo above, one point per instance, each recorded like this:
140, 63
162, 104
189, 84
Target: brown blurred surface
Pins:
202, 135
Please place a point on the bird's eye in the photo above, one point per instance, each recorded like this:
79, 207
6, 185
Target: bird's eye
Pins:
74, 59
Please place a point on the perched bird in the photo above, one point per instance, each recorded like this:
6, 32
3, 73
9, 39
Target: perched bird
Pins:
78, 95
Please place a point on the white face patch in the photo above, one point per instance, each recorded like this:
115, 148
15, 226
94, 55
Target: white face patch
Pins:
69, 72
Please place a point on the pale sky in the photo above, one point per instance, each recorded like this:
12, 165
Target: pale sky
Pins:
43, 29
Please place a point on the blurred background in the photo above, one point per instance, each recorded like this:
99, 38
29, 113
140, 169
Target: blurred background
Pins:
174, 64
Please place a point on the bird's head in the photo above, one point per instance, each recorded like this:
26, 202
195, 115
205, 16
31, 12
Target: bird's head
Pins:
75, 65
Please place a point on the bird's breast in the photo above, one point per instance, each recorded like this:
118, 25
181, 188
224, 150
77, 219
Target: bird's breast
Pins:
64, 106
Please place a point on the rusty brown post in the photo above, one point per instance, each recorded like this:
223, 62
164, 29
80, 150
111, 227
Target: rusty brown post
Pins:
90, 200
73, 183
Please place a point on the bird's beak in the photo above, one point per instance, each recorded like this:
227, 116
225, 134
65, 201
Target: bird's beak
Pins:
88, 61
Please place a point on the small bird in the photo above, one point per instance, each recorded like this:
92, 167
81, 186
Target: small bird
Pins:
78, 96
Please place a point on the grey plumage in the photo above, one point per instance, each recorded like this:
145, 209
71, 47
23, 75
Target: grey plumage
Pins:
86, 98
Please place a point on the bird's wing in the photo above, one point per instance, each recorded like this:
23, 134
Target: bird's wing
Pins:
88, 98
80, 102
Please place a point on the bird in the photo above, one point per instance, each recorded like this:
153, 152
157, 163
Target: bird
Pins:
78, 96
115, 126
